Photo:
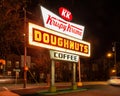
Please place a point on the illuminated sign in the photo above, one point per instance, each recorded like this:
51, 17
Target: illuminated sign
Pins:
65, 14
63, 56
58, 24
46, 38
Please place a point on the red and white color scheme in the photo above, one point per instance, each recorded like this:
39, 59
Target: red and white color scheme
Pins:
65, 13
58, 24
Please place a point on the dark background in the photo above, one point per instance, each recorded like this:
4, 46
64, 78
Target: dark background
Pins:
101, 19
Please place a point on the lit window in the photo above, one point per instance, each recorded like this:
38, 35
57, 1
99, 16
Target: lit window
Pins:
9, 63
9, 73
17, 63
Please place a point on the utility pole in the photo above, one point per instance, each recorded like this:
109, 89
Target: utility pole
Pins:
25, 50
25, 45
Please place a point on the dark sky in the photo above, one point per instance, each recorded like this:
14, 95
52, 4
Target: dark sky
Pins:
101, 19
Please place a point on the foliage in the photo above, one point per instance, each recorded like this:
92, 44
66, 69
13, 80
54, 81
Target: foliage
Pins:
41, 58
11, 27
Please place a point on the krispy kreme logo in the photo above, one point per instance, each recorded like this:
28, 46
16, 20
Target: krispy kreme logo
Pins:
65, 13
64, 26
58, 24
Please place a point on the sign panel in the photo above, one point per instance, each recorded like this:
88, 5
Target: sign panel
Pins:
56, 23
46, 38
63, 56
18, 70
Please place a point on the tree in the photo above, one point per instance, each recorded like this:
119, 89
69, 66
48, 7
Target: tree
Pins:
12, 32
11, 27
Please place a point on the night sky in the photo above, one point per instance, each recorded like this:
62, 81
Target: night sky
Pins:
101, 19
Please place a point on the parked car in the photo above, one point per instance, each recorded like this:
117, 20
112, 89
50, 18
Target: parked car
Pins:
114, 80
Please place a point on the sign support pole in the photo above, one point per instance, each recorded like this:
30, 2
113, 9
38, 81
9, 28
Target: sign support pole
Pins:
74, 85
79, 70
52, 81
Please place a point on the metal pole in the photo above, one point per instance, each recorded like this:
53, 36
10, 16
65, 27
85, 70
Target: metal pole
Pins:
25, 50
74, 73
115, 58
74, 85
52, 81
52, 73
114, 50
79, 70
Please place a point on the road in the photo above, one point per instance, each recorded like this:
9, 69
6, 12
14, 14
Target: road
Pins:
96, 90
93, 89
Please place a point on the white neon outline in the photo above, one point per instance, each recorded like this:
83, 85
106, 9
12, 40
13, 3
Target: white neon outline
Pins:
45, 13
31, 42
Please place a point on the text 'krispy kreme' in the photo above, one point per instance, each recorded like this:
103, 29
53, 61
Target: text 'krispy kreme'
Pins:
63, 25
54, 22
53, 40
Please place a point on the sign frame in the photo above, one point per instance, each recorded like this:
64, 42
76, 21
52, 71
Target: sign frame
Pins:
32, 42
57, 55
54, 22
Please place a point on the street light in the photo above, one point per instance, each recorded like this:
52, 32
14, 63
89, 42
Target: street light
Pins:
111, 70
25, 50
114, 50
109, 55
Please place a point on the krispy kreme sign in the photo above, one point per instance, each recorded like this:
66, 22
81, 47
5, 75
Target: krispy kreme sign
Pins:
46, 38
58, 24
